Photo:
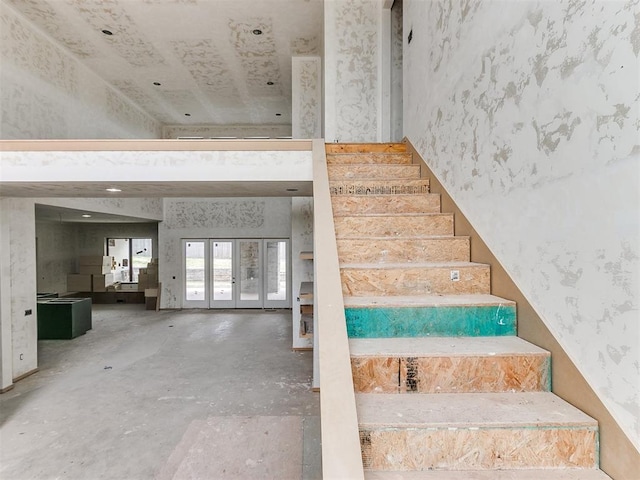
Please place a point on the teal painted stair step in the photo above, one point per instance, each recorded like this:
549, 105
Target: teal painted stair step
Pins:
431, 321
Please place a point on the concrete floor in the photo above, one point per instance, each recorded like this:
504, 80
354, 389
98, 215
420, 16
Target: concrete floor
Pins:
194, 394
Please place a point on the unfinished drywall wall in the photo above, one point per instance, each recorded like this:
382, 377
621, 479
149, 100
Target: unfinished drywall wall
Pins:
532, 127
306, 97
352, 64
19, 299
255, 217
46, 93
56, 255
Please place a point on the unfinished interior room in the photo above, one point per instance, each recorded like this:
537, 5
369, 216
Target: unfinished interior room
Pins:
305, 239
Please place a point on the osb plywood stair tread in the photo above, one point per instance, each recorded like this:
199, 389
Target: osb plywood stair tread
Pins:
405, 186
396, 215
521, 474
365, 147
399, 250
372, 158
469, 411
368, 171
409, 203
406, 237
426, 301
387, 266
443, 347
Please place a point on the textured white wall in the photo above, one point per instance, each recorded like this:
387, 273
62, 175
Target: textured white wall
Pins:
18, 218
306, 97
47, 94
57, 251
528, 113
352, 57
213, 218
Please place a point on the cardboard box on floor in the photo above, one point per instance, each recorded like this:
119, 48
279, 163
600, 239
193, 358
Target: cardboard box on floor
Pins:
94, 269
148, 277
96, 260
101, 282
78, 282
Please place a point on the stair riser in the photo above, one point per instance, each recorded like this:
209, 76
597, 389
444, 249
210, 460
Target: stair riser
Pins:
372, 158
451, 249
350, 172
365, 147
358, 282
463, 374
422, 225
379, 187
481, 321
359, 204
481, 448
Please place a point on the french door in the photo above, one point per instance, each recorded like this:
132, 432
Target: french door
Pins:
236, 273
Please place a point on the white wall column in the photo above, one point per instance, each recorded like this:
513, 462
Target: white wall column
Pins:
306, 97
352, 56
19, 330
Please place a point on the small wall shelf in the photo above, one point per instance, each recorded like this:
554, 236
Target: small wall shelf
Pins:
306, 255
306, 291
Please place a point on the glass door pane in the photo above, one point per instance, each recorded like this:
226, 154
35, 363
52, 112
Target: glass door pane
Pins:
249, 280
222, 274
195, 281
276, 273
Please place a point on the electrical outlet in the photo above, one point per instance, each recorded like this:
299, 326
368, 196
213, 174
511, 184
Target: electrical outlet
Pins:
28, 312
455, 275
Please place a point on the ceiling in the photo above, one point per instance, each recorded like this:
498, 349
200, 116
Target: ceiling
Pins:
48, 213
189, 62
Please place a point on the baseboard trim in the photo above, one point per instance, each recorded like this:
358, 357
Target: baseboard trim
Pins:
25, 375
6, 389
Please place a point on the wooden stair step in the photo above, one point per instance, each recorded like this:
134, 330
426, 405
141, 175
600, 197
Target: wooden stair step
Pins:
364, 147
408, 186
415, 278
466, 431
404, 249
372, 157
370, 172
416, 203
401, 225
449, 365
429, 316
522, 474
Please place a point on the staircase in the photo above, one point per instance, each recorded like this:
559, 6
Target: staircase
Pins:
444, 387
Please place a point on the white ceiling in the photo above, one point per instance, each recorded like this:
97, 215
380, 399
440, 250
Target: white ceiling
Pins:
48, 213
203, 52
205, 56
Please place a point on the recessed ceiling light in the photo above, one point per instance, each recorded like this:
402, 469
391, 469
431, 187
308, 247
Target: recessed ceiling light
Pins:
257, 31
269, 83
107, 32
157, 84
187, 114
292, 189
86, 215
113, 190
278, 114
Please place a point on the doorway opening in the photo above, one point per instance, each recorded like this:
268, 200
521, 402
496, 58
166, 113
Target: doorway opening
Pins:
236, 273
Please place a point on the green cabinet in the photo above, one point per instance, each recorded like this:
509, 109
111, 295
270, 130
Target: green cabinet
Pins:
63, 318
